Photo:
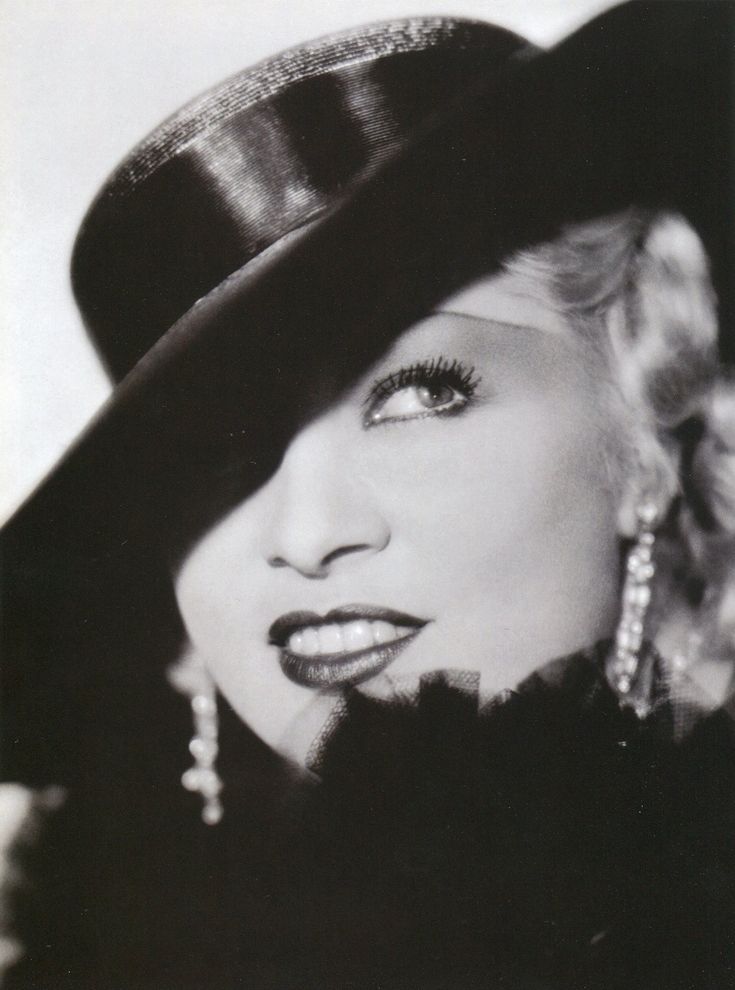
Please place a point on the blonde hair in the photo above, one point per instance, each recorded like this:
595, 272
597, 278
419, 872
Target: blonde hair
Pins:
636, 285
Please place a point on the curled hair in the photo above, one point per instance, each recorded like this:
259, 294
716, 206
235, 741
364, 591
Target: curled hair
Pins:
644, 279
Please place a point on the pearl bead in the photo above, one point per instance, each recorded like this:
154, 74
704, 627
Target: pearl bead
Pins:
203, 749
209, 782
629, 665
647, 513
207, 728
190, 779
622, 639
203, 705
212, 813
638, 596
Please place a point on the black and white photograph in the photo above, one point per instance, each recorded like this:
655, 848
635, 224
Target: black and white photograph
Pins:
367, 526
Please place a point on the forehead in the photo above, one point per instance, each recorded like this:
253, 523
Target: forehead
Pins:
512, 299
506, 324
507, 359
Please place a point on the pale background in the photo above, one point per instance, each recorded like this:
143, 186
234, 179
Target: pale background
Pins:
81, 81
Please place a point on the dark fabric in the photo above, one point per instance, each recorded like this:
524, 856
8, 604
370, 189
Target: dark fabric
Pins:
260, 155
205, 416
522, 846
625, 111
547, 840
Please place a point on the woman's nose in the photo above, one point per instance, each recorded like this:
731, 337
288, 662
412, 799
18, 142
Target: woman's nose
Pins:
321, 514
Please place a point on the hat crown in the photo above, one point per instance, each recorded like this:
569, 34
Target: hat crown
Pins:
255, 158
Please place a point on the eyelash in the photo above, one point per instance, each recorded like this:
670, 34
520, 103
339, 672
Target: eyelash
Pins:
435, 372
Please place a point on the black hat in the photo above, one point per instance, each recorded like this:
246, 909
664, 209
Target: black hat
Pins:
286, 226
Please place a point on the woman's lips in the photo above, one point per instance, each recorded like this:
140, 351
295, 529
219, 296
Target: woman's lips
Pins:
347, 645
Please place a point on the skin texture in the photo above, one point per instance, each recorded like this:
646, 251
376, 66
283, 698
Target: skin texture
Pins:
496, 521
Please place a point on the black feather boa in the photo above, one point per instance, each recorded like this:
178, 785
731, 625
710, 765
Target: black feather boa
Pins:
547, 840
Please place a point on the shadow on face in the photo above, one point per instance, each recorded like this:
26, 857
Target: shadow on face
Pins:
452, 509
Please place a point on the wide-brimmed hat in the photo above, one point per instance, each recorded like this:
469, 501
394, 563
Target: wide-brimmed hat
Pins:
282, 229
262, 248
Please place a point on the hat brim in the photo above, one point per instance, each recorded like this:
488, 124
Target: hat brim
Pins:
625, 111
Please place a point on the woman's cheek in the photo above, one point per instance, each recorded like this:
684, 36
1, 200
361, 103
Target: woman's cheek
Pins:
246, 671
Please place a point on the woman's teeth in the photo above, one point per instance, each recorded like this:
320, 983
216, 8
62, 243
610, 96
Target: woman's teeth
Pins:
345, 637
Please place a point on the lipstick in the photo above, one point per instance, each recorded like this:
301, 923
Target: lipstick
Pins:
347, 645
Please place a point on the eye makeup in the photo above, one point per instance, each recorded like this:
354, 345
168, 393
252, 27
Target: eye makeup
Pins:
436, 386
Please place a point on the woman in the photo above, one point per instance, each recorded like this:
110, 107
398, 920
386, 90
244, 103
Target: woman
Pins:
390, 485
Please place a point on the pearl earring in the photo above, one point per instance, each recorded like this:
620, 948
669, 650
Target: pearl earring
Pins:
625, 659
203, 746
190, 676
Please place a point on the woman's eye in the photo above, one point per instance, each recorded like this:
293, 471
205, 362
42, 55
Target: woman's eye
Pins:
416, 400
426, 389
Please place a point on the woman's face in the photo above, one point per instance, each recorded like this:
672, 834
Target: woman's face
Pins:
453, 510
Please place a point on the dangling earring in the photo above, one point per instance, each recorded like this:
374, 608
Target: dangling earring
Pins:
625, 658
190, 676
203, 746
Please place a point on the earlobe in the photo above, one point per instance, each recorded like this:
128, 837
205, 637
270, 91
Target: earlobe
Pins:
633, 505
626, 521
649, 488
663, 335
